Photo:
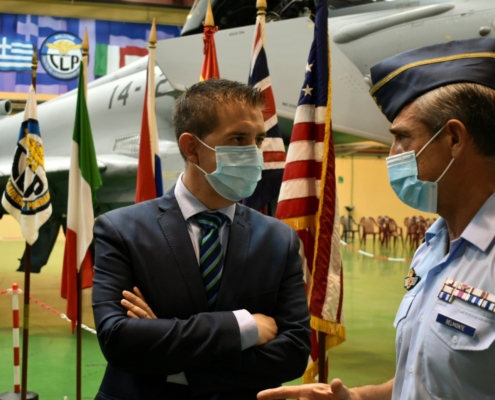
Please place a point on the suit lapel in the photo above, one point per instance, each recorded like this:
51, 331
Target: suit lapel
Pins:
235, 261
175, 231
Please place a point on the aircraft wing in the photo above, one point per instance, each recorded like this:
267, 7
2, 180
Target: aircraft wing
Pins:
288, 44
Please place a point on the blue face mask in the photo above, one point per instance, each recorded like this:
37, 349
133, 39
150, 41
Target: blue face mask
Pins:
238, 171
403, 176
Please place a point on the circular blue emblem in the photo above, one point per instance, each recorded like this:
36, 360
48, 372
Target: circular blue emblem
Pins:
61, 54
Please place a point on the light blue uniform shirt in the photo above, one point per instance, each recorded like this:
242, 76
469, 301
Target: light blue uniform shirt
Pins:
189, 207
435, 361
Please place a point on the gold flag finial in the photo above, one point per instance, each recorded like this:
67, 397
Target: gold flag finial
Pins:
261, 6
152, 38
85, 43
209, 21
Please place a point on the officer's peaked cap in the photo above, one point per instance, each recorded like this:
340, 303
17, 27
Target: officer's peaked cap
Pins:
403, 78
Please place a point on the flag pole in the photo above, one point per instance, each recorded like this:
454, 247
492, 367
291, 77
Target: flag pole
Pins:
27, 279
25, 322
261, 6
209, 16
85, 53
209, 68
322, 355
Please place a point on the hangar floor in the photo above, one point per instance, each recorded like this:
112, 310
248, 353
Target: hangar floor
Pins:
373, 289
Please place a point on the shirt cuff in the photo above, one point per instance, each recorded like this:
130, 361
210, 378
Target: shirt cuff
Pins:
247, 327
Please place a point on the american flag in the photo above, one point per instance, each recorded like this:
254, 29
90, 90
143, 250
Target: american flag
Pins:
273, 146
308, 200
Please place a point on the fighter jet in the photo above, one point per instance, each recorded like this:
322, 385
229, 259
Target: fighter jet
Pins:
362, 32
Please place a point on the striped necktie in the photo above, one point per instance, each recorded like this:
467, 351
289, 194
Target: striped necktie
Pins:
211, 254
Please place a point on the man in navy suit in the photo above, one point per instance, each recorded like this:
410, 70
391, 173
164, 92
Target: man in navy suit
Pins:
247, 329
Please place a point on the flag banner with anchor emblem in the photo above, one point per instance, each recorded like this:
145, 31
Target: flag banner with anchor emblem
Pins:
26, 195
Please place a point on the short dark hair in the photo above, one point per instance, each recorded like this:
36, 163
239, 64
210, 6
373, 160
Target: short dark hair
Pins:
197, 110
471, 103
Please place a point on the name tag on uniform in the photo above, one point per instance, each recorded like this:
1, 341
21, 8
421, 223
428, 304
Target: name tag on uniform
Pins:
457, 325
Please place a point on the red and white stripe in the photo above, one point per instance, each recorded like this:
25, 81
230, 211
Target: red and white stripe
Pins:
273, 146
15, 335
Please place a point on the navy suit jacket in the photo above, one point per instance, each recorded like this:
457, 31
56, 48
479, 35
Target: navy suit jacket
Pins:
147, 245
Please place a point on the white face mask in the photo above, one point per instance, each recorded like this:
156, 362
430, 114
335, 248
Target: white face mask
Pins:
403, 177
238, 170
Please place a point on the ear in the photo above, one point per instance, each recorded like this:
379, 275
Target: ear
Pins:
458, 137
189, 146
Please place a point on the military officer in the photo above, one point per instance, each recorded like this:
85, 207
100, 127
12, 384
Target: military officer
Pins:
441, 102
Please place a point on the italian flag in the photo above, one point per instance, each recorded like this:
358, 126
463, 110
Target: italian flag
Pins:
84, 179
110, 58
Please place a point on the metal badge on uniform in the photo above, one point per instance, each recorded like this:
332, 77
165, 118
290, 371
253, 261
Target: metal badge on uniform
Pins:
411, 280
457, 325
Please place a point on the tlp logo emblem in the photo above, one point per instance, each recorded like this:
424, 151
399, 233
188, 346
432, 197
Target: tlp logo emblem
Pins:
61, 54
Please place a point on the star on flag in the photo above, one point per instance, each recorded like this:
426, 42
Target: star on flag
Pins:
307, 90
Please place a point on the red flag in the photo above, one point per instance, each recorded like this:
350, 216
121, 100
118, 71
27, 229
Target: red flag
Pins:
149, 175
210, 64
308, 200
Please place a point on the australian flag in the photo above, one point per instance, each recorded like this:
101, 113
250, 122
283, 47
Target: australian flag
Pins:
273, 146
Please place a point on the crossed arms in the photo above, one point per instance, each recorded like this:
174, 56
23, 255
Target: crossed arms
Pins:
206, 345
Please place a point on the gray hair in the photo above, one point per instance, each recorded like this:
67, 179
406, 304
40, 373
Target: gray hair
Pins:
470, 103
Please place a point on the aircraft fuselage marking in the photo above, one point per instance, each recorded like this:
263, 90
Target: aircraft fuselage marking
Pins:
125, 93
111, 97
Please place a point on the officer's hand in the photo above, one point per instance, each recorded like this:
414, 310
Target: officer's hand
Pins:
136, 305
267, 328
315, 391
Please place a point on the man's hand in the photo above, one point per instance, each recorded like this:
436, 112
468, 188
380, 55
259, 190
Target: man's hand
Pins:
315, 391
136, 305
267, 328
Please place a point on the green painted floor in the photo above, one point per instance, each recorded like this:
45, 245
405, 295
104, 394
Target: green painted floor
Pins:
373, 290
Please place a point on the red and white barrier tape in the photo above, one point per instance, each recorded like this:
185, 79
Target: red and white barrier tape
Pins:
364, 253
48, 308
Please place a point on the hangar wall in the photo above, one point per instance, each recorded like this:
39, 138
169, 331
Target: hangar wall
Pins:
368, 189
82, 9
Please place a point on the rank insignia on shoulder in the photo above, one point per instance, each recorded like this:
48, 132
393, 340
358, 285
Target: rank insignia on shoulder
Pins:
411, 280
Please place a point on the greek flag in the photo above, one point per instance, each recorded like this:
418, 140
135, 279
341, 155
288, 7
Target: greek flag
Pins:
112, 45
15, 55
26, 195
